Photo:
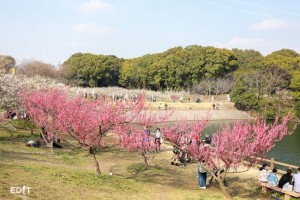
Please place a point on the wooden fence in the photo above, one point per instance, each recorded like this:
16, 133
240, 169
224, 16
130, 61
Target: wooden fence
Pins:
274, 163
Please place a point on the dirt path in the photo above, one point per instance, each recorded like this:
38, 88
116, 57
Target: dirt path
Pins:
215, 114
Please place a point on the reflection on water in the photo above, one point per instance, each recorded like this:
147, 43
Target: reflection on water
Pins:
287, 150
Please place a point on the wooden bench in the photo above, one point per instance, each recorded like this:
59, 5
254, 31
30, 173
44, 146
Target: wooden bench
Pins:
287, 194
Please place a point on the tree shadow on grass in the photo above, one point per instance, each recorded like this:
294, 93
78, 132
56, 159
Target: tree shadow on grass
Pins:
25, 156
167, 174
16, 135
243, 188
18, 138
185, 178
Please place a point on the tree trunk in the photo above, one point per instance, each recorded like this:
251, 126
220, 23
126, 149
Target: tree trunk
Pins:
220, 180
48, 144
223, 189
92, 152
146, 161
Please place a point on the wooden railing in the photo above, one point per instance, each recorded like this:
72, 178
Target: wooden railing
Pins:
273, 163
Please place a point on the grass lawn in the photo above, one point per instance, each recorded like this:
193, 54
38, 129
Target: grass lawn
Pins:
69, 174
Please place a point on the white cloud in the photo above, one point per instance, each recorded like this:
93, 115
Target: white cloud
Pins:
95, 6
93, 28
218, 45
269, 24
240, 42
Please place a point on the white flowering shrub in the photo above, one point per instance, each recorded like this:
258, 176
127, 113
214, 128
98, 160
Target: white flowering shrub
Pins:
125, 93
10, 85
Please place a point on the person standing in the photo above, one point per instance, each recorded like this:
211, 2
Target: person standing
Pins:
146, 139
201, 175
147, 131
158, 138
207, 139
297, 181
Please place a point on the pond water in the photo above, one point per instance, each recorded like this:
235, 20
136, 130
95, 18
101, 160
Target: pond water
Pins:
287, 150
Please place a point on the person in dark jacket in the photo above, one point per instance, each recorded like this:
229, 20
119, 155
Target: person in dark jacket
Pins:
207, 139
286, 178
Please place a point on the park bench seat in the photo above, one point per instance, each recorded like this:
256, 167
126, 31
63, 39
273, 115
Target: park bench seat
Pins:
287, 194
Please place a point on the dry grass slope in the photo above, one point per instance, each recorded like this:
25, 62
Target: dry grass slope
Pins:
69, 174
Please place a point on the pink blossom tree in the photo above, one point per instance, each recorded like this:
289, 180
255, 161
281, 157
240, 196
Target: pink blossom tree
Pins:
137, 140
45, 108
182, 132
241, 144
136, 137
89, 122
10, 86
174, 98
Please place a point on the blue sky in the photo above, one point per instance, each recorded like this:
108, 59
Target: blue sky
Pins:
52, 30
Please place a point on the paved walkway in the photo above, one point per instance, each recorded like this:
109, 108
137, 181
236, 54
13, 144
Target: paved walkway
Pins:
215, 115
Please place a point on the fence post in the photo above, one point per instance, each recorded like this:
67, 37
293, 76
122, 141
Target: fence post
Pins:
272, 163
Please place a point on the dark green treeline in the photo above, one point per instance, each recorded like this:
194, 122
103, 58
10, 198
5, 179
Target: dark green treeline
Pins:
174, 69
267, 84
